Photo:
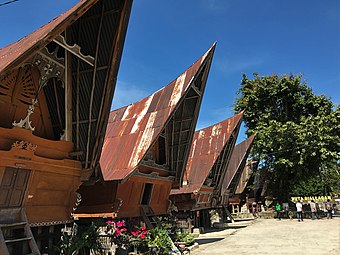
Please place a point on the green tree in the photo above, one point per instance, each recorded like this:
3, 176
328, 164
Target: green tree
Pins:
298, 134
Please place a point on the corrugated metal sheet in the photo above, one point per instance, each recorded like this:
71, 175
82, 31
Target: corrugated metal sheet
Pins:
208, 144
236, 164
131, 130
20, 50
92, 25
244, 179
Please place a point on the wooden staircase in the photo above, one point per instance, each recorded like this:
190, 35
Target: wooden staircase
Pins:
228, 214
149, 217
15, 233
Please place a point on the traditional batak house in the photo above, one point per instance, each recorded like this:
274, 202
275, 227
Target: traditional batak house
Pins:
237, 168
209, 156
146, 148
56, 88
242, 192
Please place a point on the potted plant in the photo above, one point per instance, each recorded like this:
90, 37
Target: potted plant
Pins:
159, 241
84, 241
186, 238
127, 236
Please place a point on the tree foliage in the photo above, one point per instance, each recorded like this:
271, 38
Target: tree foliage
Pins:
298, 133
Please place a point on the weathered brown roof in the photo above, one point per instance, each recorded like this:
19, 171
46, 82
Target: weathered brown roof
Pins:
131, 130
98, 27
236, 164
245, 177
16, 52
208, 144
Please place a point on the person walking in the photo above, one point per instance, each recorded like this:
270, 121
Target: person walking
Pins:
254, 209
329, 208
278, 210
299, 210
313, 209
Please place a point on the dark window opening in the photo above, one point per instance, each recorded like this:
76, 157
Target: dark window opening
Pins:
147, 193
161, 157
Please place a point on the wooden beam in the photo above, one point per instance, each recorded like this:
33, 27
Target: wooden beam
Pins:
68, 95
110, 81
89, 70
74, 49
93, 87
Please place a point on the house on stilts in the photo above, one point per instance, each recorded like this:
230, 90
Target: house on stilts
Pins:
237, 176
146, 148
56, 88
210, 154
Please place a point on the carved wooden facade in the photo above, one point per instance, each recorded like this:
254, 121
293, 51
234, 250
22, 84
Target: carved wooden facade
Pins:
56, 88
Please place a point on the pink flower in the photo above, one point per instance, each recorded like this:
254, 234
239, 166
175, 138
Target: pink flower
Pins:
142, 236
112, 223
123, 230
143, 228
117, 232
135, 233
120, 224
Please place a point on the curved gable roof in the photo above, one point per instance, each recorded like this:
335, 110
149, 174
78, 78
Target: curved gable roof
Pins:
208, 144
17, 52
97, 28
238, 158
131, 130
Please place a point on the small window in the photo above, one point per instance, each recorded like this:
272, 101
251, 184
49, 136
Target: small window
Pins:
146, 194
161, 158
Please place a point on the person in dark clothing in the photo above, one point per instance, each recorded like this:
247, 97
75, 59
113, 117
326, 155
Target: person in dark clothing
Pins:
329, 208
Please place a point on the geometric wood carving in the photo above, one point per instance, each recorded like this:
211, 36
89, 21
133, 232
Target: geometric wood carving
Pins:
24, 145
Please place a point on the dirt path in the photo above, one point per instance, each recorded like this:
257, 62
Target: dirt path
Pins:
266, 236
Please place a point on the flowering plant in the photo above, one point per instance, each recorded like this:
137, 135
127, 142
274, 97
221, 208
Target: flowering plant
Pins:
127, 234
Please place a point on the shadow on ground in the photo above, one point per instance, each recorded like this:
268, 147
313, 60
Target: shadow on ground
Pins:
240, 220
208, 240
235, 227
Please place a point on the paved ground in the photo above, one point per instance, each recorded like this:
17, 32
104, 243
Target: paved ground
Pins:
269, 236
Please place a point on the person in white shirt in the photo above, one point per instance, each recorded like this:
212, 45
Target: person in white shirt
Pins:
314, 210
299, 210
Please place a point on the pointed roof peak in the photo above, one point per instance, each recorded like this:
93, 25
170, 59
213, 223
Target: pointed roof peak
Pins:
239, 156
233, 119
22, 49
134, 128
207, 146
191, 70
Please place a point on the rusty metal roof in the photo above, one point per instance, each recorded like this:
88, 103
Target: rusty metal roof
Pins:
237, 164
131, 130
16, 52
89, 23
245, 177
208, 145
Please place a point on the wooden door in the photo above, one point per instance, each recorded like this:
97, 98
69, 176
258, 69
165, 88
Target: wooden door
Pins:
13, 187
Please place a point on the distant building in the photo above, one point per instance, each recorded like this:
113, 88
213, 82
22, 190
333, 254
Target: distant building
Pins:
210, 154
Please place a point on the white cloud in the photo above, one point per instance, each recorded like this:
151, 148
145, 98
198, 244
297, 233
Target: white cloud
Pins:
214, 5
214, 116
126, 94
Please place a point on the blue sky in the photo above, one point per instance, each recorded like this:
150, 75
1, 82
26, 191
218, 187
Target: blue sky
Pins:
166, 37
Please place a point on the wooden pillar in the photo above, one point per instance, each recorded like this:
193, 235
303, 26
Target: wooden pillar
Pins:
68, 95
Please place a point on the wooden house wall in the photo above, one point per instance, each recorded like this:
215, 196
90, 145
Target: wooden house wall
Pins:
131, 193
98, 198
204, 198
183, 202
52, 182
